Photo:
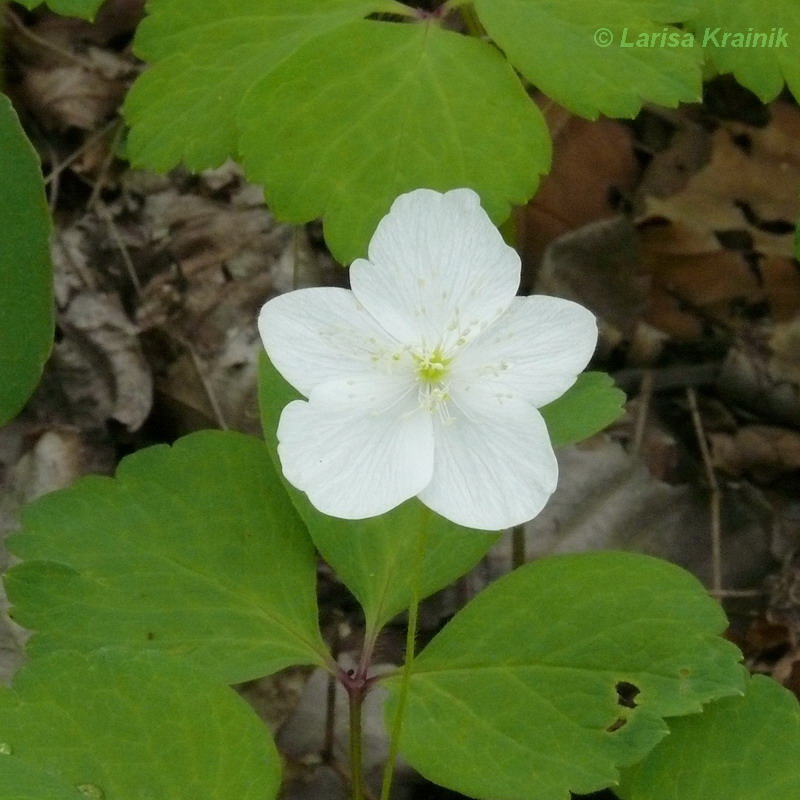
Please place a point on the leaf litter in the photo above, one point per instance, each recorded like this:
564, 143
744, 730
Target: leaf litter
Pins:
675, 228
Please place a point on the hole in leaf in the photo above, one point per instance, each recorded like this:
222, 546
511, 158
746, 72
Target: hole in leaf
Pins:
626, 692
616, 724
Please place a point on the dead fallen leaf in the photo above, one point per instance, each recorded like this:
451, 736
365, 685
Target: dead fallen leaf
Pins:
606, 499
720, 250
100, 365
71, 97
748, 379
593, 168
762, 451
275, 697
597, 265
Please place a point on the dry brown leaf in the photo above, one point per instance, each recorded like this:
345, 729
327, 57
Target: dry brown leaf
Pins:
762, 451
99, 365
71, 97
275, 697
748, 379
593, 166
784, 347
751, 183
597, 265
720, 250
606, 499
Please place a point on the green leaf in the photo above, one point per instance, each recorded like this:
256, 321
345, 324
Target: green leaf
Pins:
26, 276
762, 68
208, 55
373, 557
553, 44
193, 549
86, 9
588, 406
740, 748
374, 109
21, 781
118, 725
517, 697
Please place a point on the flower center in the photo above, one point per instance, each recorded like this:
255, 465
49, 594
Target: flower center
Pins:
432, 367
432, 371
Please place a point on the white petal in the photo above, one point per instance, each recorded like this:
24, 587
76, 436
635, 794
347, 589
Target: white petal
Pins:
535, 350
321, 334
494, 466
438, 269
357, 448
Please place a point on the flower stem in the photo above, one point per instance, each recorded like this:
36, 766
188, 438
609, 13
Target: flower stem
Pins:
356, 699
411, 635
518, 549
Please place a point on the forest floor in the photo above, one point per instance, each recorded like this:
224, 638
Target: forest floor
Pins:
676, 229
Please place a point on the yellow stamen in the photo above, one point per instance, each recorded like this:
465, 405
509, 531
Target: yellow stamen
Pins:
432, 367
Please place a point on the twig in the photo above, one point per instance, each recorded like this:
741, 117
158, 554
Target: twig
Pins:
100, 181
716, 494
57, 169
102, 209
740, 593
25, 31
645, 397
52, 195
200, 370
113, 232
77, 265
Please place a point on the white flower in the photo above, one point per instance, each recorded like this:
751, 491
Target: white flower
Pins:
426, 378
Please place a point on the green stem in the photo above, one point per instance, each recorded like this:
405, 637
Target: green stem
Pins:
452, 5
367, 649
411, 635
474, 27
356, 765
518, 550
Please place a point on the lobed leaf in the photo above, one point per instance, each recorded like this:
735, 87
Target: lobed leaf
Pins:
739, 748
553, 45
762, 69
85, 9
120, 725
206, 57
374, 109
560, 673
374, 557
589, 405
26, 276
21, 781
193, 549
